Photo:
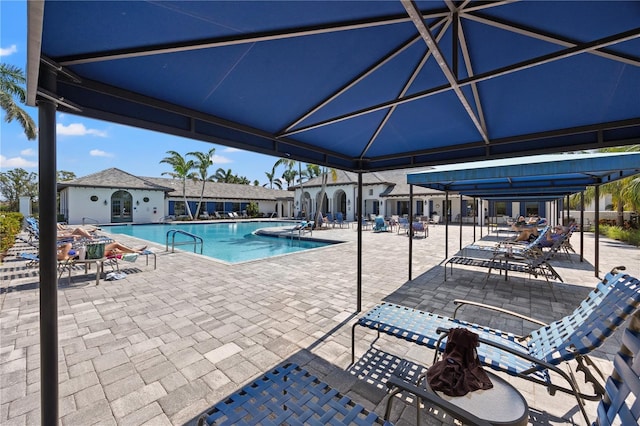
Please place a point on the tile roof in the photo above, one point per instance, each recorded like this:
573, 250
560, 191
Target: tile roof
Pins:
116, 178
396, 180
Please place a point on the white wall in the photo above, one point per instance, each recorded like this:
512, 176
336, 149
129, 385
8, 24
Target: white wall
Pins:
79, 204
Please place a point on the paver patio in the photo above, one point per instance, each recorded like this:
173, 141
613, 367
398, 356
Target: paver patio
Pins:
162, 346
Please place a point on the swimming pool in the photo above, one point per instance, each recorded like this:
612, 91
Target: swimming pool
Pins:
231, 242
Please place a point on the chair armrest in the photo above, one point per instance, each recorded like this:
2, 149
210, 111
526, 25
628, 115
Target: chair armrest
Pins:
461, 303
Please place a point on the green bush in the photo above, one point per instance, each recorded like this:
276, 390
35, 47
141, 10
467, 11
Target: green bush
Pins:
630, 236
253, 210
10, 225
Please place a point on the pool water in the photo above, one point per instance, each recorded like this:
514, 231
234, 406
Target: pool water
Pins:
231, 242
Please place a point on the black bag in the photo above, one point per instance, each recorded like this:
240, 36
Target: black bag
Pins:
459, 372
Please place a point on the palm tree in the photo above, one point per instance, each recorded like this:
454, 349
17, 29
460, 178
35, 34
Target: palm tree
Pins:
324, 173
11, 81
203, 161
272, 179
181, 170
224, 176
624, 192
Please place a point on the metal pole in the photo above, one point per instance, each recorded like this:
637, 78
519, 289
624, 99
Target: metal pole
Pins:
48, 254
445, 209
359, 261
460, 222
596, 262
410, 230
582, 226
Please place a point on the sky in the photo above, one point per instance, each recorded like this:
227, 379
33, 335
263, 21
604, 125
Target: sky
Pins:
86, 146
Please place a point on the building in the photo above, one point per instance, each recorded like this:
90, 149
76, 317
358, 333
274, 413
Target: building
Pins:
384, 193
115, 196
387, 193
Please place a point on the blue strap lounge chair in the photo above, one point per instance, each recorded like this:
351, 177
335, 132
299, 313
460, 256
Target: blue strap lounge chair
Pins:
339, 219
533, 356
419, 228
288, 395
380, 225
403, 224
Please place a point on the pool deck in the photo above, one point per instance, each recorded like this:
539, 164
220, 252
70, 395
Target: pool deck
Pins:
162, 346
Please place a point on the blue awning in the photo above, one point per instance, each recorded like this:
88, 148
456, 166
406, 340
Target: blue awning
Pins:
355, 85
542, 176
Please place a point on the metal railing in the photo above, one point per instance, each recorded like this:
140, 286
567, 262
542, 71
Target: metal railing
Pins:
195, 240
88, 220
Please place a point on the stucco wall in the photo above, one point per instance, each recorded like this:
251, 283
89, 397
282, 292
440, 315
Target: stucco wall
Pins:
79, 205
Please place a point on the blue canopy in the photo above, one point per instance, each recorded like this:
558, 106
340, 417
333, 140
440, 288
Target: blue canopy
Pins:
355, 85
542, 176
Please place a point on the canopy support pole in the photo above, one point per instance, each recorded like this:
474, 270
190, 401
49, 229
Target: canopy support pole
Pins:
410, 232
460, 221
596, 262
445, 211
359, 261
582, 226
48, 253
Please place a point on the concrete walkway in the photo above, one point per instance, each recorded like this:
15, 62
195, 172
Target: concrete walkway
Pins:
162, 346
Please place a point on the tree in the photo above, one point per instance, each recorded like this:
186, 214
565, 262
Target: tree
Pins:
224, 176
289, 163
272, 179
203, 161
18, 183
11, 86
65, 176
324, 173
182, 169
625, 193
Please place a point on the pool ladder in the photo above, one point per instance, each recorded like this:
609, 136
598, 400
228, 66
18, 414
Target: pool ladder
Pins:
195, 240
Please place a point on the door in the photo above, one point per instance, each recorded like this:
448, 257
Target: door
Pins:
121, 207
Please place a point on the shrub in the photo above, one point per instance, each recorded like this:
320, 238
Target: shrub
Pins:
10, 225
253, 210
630, 236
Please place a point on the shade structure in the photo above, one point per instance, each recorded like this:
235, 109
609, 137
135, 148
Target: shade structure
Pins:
355, 85
543, 176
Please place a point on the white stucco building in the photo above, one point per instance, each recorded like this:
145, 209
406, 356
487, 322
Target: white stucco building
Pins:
115, 196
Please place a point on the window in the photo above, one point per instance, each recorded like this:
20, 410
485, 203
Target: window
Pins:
501, 208
371, 192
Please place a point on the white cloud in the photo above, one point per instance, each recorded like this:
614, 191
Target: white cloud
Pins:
99, 153
219, 159
29, 152
78, 129
10, 163
231, 150
6, 51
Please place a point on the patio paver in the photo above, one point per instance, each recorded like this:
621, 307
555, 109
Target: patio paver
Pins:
161, 346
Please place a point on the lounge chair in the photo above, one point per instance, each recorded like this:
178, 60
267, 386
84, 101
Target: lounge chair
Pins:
288, 395
364, 223
380, 225
339, 219
403, 224
419, 228
535, 355
435, 219
619, 404
529, 262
